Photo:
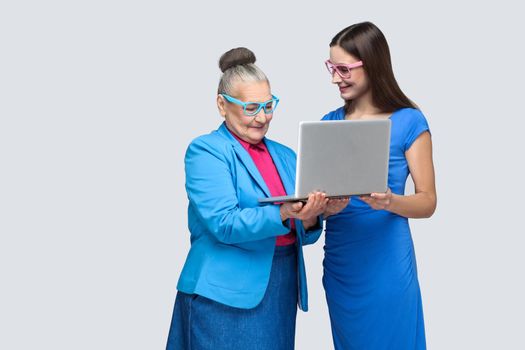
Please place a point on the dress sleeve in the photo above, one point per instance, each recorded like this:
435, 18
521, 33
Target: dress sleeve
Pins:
416, 125
337, 114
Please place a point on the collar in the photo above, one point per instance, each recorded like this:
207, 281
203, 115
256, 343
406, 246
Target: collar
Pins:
261, 146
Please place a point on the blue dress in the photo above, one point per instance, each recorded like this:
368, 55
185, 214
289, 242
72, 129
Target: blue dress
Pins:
370, 273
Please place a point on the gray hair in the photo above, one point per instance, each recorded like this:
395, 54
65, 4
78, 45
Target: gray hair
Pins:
245, 73
238, 65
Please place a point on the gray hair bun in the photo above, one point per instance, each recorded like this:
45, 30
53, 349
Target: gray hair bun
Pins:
236, 57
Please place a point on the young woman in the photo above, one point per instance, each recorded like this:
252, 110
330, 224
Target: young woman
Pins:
370, 274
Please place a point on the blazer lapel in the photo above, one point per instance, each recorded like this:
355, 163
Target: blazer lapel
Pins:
284, 171
245, 158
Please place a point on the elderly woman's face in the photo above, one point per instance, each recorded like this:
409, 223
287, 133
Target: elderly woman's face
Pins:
250, 129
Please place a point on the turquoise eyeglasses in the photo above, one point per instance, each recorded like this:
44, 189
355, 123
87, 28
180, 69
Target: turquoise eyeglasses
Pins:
252, 108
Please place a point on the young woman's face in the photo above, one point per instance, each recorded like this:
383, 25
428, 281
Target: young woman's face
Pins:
248, 128
357, 85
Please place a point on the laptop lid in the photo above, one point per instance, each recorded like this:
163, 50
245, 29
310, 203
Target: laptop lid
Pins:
341, 158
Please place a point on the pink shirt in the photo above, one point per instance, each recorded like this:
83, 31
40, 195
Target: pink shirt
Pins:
264, 163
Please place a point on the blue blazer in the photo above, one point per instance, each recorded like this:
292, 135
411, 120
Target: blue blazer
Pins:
232, 236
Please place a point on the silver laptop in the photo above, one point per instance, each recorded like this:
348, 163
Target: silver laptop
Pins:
342, 158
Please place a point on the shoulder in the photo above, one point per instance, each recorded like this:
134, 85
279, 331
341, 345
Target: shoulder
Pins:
211, 138
411, 122
336, 114
213, 143
410, 116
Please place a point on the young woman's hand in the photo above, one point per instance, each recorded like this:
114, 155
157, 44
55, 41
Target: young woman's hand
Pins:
334, 206
378, 201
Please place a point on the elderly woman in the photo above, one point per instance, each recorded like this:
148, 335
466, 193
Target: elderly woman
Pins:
244, 275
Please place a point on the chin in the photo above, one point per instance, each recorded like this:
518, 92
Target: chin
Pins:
257, 137
348, 96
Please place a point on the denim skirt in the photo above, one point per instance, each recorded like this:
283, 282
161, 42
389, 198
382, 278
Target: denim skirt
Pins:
200, 323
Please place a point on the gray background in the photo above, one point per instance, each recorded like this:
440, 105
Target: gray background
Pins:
99, 99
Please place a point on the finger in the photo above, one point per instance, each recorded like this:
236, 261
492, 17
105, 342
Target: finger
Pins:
315, 204
322, 206
318, 196
339, 201
297, 206
366, 199
321, 200
312, 199
386, 194
371, 202
344, 202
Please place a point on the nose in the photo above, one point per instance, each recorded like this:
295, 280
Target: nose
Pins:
336, 79
261, 117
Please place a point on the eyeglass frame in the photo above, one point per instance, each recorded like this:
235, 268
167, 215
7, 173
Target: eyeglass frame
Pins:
262, 105
329, 64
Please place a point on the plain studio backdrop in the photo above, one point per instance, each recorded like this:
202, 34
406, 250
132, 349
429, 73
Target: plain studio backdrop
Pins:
99, 100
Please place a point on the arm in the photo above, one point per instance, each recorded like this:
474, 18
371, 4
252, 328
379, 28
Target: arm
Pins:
309, 223
422, 204
212, 194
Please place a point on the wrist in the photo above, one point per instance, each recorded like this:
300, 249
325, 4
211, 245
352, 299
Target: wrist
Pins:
284, 217
392, 202
307, 223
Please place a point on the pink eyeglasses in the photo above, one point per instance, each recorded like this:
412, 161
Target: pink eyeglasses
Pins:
344, 70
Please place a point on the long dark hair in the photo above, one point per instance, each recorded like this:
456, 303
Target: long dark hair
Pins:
367, 43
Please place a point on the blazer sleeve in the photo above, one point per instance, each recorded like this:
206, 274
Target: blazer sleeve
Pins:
212, 194
311, 235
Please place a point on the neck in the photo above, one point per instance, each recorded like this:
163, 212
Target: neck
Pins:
362, 106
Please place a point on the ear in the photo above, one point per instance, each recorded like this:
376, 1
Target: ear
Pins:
221, 105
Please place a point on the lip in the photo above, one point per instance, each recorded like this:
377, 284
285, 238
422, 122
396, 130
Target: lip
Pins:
345, 87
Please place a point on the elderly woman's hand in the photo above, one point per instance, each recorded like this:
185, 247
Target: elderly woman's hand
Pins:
308, 212
334, 206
